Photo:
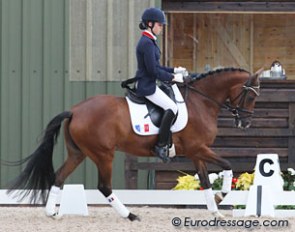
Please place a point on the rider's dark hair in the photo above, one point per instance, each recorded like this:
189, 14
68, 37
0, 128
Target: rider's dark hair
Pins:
143, 26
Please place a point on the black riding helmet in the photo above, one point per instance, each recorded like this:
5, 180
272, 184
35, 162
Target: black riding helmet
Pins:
152, 15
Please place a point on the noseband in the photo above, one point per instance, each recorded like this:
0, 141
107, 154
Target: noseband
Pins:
237, 111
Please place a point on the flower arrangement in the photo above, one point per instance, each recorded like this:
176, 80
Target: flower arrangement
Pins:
242, 182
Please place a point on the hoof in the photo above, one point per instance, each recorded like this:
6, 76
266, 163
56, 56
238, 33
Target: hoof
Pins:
218, 215
55, 216
132, 217
218, 197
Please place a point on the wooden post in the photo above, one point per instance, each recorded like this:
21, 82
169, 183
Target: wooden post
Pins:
130, 173
291, 140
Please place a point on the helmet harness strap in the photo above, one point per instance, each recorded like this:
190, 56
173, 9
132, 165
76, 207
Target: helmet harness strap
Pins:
151, 27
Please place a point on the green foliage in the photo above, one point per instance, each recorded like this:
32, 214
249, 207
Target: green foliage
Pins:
289, 180
217, 184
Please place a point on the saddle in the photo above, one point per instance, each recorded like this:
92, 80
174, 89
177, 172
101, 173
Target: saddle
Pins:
154, 112
146, 117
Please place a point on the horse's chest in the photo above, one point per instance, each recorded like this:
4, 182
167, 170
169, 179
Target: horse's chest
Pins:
206, 127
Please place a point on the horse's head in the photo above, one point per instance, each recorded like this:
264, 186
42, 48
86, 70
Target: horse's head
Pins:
243, 100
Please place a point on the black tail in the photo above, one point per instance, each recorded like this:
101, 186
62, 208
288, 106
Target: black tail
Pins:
38, 175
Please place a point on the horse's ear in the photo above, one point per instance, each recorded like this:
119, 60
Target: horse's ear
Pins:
257, 73
255, 77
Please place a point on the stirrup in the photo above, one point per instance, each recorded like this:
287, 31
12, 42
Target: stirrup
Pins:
163, 153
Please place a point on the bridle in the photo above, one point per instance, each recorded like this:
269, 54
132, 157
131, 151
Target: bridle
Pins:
238, 112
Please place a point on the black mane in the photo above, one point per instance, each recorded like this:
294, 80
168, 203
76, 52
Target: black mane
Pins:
196, 77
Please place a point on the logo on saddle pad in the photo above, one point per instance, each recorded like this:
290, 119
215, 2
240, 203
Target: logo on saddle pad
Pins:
146, 118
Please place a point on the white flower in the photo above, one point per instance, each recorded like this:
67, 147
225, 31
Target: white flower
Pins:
213, 177
197, 176
220, 174
292, 171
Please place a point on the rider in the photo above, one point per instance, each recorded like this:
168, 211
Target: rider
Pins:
149, 71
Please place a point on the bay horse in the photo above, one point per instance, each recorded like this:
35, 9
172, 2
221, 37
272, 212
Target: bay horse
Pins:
100, 125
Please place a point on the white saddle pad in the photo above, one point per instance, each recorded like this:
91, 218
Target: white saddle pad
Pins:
143, 125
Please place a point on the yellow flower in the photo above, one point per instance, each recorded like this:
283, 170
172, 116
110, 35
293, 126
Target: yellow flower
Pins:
187, 182
244, 181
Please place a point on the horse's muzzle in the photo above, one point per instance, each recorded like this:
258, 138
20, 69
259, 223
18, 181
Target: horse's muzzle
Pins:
242, 123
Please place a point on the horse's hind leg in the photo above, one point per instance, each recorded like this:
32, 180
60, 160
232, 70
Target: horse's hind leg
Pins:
75, 157
62, 173
104, 166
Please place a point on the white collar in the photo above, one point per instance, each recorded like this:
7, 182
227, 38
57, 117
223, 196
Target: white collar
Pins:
150, 33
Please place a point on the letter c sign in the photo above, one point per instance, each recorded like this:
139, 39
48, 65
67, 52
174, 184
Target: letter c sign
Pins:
262, 170
267, 171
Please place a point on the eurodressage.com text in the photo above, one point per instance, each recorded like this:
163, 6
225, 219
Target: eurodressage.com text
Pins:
189, 222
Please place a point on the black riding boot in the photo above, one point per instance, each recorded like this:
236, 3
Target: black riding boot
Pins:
162, 147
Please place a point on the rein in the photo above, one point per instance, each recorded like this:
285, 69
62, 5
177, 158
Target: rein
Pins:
234, 110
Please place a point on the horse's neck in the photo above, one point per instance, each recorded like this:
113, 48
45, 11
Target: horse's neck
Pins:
218, 87
215, 90
204, 107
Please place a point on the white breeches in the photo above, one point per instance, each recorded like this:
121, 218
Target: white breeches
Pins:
162, 100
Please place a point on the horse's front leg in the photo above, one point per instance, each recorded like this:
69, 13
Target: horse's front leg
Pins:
210, 157
226, 185
205, 183
104, 186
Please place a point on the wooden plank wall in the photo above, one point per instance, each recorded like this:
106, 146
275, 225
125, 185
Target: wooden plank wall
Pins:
272, 131
274, 39
250, 41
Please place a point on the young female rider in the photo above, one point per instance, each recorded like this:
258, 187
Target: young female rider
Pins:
149, 71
